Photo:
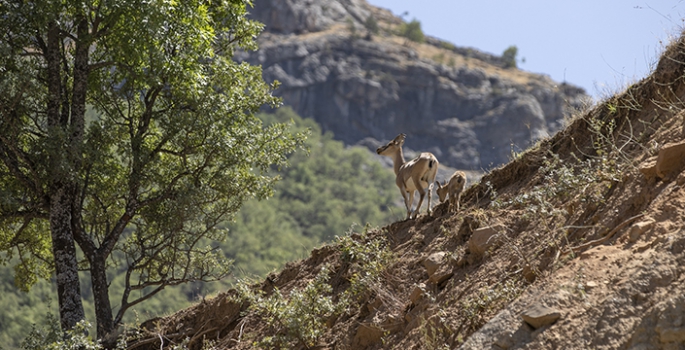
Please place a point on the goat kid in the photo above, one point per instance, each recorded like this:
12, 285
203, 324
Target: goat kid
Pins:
453, 188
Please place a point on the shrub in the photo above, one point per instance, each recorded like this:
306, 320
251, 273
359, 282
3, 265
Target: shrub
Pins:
371, 25
509, 56
412, 31
300, 318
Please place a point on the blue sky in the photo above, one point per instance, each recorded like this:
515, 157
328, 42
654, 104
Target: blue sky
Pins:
600, 45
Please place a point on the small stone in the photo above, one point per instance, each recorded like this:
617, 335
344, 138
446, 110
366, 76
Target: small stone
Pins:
367, 334
638, 229
670, 159
442, 274
433, 262
591, 285
504, 341
539, 315
417, 293
648, 168
529, 273
484, 238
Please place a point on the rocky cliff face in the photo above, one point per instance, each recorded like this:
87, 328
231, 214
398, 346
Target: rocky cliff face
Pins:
458, 103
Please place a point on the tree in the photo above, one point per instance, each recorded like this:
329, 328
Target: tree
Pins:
509, 56
127, 134
412, 31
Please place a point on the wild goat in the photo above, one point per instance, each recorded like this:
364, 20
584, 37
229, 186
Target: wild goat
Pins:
454, 188
414, 175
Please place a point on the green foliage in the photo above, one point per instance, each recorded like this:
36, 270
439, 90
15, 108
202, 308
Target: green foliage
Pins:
439, 58
371, 257
298, 319
51, 338
320, 195
264, 235
171, 149
412, 31
580, 179
509, 56
21, 310
448, 45
352, 28
562, 182
372, 25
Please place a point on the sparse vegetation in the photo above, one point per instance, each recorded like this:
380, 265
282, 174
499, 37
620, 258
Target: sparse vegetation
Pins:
298, 319
412, 31
484, 302
439, 58
509, 56
447, 45
352, 28
369, 257
372, 25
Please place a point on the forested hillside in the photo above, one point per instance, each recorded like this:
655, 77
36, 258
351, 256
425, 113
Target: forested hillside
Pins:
321, 194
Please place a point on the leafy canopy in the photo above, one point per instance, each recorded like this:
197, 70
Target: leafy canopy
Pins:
168, 150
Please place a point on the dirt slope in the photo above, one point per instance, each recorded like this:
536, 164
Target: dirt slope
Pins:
586, 243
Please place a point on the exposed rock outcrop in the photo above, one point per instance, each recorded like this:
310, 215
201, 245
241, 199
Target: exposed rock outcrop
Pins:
457, 103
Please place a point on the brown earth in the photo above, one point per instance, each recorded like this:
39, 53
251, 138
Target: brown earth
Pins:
586, 244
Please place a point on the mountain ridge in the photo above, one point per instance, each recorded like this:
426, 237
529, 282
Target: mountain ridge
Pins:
367, 85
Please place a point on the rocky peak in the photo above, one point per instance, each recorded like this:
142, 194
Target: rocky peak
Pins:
306, 16
360, 84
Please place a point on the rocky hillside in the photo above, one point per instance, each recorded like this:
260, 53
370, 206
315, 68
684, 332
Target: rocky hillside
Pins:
577, 243
342, 63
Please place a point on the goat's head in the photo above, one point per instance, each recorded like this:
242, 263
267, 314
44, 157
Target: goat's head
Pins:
392, 146
442, 190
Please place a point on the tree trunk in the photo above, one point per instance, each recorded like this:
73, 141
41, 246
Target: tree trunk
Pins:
103, 308
62, 193
64, 251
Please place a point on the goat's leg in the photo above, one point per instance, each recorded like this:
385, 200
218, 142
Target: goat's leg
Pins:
408, 202
407, 196
430, 194
422, 194
450, 207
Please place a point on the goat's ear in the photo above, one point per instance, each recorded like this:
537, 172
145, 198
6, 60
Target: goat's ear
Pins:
399, 139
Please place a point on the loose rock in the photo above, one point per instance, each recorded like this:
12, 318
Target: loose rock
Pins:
538, 315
